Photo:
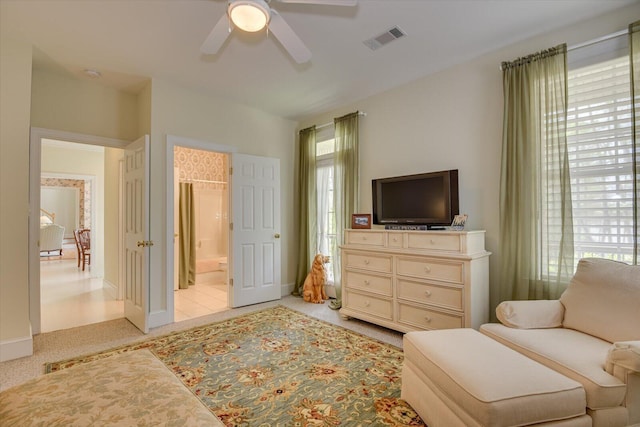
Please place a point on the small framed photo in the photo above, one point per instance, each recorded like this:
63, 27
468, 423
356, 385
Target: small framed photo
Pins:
458, 222
361, 221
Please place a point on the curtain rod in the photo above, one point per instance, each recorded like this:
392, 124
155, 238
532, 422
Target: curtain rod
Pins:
360, 113
591, 42
598, 40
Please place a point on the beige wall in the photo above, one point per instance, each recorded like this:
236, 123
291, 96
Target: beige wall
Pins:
112, 157
453, 120
15, 87
187, 113
144, 111
66, 103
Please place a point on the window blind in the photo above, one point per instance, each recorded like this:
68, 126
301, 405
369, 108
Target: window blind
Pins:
600, 148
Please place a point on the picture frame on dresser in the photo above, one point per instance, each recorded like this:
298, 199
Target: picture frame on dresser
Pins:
458, 222
361, 221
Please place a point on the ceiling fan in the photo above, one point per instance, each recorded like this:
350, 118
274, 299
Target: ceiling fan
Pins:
254, 15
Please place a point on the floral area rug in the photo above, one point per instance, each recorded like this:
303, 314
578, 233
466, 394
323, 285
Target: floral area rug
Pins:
279, 367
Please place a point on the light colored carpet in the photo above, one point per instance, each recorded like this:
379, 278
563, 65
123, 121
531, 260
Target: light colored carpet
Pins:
68, 343
278, 366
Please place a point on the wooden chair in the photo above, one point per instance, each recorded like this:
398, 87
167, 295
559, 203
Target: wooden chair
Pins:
83, 244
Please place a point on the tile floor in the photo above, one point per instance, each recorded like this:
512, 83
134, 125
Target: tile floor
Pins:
70, 297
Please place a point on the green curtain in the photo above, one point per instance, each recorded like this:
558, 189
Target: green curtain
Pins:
345, 187
536, 227
307, 201
186, 224
634, 53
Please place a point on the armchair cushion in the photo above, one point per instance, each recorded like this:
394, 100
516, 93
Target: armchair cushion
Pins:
624, 354
538, 314
602, 300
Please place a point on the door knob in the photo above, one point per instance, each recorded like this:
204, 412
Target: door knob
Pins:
277, 235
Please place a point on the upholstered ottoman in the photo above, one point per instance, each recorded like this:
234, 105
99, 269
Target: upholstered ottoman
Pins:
130, 389
459, 377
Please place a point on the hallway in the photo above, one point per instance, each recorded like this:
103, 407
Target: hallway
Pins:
70, 297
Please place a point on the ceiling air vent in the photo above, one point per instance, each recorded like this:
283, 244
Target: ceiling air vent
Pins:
384, 38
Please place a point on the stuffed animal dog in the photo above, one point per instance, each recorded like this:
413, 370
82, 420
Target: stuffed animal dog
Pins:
313, 288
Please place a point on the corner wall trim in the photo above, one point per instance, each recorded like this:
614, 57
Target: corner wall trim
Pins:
110, 288
286, 289
16, 348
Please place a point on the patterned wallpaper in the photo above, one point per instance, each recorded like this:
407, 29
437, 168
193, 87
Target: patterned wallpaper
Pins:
85, 195
204, 165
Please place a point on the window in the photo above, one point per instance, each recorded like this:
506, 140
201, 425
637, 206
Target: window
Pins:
326, 238
599, 138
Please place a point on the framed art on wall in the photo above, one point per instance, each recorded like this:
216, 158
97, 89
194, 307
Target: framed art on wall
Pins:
361, 221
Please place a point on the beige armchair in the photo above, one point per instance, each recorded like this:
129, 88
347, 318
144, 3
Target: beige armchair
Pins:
590, 335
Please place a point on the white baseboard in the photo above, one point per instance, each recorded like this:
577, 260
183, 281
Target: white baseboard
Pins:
160, 318
286, 289
110, 289
16, 348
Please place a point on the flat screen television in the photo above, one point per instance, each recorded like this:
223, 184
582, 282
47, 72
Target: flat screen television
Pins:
429, 199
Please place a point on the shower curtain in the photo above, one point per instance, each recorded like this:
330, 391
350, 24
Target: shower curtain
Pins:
187, 263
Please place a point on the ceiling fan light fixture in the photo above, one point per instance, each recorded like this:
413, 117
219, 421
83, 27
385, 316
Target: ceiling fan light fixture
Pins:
249, 15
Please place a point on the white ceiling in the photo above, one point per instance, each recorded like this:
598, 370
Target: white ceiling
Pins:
130, 41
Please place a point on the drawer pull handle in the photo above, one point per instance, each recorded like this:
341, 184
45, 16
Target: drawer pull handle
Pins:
367, 303
427, 269
433, 242
427, 319
366, 282
427, 293
366, 261
364, 238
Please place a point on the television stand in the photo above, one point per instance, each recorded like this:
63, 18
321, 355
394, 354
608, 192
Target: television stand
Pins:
411, 280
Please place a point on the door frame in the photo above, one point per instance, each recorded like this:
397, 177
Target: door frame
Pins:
172, 142
35, 152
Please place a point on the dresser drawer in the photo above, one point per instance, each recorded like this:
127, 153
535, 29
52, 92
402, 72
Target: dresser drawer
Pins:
428, 268
434, 241
365, 238
423, 318
396, 240
376, 306
368, 282
427, 293
367, 261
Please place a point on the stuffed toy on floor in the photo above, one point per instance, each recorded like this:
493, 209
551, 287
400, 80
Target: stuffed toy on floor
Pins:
313, 288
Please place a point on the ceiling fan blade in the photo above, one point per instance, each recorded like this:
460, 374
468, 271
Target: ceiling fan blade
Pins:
324, 2
216, 37
289, 40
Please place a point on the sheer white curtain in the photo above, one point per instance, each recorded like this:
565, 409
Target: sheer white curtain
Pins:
326, 239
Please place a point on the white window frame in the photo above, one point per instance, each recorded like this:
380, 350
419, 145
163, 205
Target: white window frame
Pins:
599, 132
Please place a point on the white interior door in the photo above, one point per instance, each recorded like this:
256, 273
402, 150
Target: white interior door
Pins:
136, 230
255, 202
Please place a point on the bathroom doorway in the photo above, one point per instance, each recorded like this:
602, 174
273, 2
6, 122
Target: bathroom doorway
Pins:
201, 232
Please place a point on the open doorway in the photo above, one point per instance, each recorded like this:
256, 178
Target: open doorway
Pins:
201, 232
78, 191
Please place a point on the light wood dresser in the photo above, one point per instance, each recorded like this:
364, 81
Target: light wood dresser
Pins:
415, 280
